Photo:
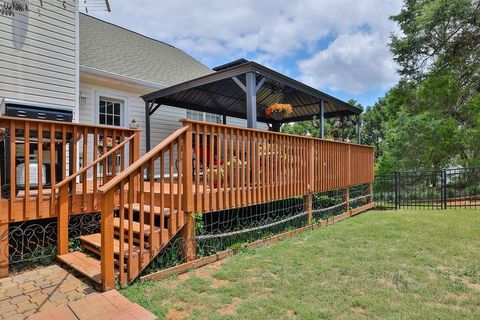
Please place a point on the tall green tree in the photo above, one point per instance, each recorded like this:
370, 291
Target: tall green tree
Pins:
431, 118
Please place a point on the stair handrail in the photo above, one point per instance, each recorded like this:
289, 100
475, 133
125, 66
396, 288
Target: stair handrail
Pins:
107, 193
62, 200
141, 161
94, 163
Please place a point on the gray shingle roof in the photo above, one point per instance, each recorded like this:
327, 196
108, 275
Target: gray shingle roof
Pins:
111, 48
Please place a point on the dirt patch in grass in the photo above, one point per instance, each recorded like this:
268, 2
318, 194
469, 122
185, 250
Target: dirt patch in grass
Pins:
204, 272
217, 283
174, 314
231, 308
455, 278
474, 286
292, 314
358, 310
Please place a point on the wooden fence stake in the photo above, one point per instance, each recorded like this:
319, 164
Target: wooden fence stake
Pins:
3, 250
308, 206
188, 235
370, 192
346, 198
62, 220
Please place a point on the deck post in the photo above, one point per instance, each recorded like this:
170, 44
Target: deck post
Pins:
370, 192
308, 199
188, 230
308, 206
134, 153
346, 198
62, 220
107, 257
4, 250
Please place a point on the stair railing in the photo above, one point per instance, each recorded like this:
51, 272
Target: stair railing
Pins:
157, 189
97, 173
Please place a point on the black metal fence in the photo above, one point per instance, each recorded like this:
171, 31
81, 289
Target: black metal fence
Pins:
451, 188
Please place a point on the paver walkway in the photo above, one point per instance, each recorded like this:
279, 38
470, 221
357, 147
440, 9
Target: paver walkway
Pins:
38, 290
100, 306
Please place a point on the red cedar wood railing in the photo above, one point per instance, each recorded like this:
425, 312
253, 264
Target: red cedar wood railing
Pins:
40, 202
171, 197
64, 195
220, 167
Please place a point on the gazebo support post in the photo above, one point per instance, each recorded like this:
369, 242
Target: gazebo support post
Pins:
322, 120
224, 119
251, 92
358, 129
147, 127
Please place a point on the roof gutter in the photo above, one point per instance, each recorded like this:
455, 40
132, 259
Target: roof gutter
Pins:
116, 76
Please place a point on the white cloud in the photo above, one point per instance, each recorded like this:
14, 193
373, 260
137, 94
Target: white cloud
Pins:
353, 63
217, 31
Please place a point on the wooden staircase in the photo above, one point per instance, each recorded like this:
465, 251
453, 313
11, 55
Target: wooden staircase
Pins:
88, 262
140, 214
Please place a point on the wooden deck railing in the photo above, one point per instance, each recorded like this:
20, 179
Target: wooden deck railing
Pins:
236, 167
55, 150
157, 187
207, 167
111, 163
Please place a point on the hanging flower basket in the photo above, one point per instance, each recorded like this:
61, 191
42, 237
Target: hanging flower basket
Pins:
278, 111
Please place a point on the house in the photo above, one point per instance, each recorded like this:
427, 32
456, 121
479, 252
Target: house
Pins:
66, 59
60, 66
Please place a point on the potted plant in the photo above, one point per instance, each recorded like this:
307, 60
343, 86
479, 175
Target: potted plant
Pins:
106, 142
278, 111
218, 175
235, 163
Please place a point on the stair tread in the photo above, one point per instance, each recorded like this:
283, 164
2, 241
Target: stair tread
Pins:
136, 226
146, 208
95, 240
83, 263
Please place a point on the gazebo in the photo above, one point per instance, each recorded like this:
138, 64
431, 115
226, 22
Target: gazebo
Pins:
243, 89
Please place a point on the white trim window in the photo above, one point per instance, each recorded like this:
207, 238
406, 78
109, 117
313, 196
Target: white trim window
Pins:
204, 116
111, 112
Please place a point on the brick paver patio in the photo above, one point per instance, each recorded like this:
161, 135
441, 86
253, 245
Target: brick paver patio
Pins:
38, 290
109, 305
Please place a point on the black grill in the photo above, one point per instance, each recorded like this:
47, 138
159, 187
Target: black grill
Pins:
20, 110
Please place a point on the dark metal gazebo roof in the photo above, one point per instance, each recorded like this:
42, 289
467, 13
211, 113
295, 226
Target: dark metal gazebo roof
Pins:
223, 92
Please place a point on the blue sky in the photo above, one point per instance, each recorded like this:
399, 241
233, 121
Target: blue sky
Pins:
337, 46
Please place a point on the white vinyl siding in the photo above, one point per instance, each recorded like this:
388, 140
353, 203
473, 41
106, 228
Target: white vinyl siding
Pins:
37, 54
163, 122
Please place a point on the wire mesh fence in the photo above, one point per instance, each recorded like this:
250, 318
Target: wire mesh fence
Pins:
232, 229
426, 189
35, 242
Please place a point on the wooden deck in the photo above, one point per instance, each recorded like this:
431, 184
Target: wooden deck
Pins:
212, 167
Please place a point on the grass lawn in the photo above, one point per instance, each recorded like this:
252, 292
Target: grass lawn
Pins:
395, 265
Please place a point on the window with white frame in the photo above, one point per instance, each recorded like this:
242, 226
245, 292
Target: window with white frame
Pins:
204, 116
110, 112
